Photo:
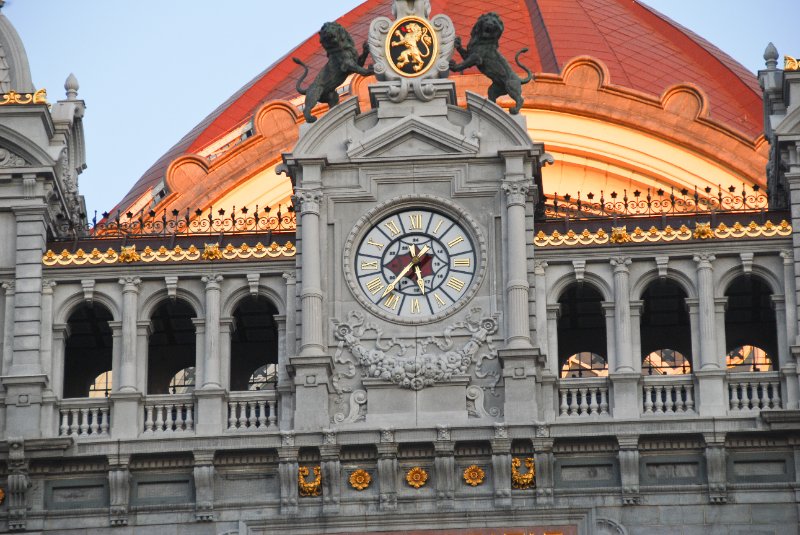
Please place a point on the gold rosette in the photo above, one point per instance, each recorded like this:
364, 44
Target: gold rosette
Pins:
417, 477
360, 479
474, 475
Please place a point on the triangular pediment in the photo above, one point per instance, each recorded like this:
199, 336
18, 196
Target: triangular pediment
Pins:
790, 124
413, 137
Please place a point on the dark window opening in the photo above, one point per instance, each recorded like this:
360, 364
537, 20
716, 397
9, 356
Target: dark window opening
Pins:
665, 330
171, 349
88, 352
582, 332
751, 331
254, 346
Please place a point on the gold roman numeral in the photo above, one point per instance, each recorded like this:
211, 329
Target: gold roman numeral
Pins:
376, 244
439, 300
369, 265
416, 221
455, 242
458, 262
375, 285
456, 284
392, 226
392, 301
438, 226
415, 306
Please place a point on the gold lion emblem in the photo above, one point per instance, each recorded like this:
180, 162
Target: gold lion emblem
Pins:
417, 44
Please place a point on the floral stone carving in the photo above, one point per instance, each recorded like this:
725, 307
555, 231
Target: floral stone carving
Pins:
414, 365
417, 477
360, 479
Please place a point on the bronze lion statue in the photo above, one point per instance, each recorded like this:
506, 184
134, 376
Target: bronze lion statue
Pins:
482, 52
343, 60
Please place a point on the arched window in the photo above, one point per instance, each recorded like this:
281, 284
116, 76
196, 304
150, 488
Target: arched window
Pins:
751, 332
87, 354
171, 348
254, 345
582, 342
666, 333
584, 365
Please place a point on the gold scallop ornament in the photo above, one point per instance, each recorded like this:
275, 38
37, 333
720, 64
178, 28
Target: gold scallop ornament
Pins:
474, 475
360, 479
417, 477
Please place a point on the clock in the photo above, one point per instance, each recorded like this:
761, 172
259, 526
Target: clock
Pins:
415, 264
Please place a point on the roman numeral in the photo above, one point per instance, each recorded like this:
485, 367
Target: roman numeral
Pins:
439, 300
455, 242
376, 244
375, 285
438, 226
369, 265
392, 226
392, 301
415, 306
461, 262
456, 284
416, 221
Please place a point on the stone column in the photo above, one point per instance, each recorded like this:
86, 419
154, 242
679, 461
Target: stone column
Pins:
553, 313
126, 419
47, 327
611, 338
791, 296
636, 335
501, 467
204, 486
226, 326
331, 468
143, 331
387, 470
518, 334
311, 287
542, 331
712, 399
8, 327
212, 338
445, 468
285, 389
622, 314
629, 468
60, 335
288, 471
130, 317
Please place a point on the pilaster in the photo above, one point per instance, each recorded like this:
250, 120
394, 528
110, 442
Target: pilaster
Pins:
211, 378
501, 467
519, 376
119, 488
204, 486
717, 468
288, 470
629, 468
130, 315
544, 461
387, 470
622, 314
331, 473
445, 468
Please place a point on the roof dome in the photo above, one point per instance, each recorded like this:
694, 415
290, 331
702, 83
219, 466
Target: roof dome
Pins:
15, 72
643, 51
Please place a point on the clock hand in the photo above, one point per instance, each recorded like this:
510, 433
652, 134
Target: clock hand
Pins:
404, 272
420, 282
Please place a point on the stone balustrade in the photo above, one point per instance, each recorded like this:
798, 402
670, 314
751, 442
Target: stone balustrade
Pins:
253, 411
583, 397
168, 414
85, 418
666, 395
749, 392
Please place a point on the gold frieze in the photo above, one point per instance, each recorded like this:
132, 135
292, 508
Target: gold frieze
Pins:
23, 99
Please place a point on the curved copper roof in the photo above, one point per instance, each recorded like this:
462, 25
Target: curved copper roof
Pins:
643, 50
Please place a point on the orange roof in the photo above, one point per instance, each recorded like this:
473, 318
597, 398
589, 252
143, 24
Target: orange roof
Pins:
642, 49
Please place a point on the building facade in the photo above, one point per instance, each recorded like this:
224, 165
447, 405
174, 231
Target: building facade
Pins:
420, 312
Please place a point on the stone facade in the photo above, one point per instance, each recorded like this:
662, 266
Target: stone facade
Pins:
533, 403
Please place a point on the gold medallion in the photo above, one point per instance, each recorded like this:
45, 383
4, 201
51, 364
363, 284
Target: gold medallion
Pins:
412, 47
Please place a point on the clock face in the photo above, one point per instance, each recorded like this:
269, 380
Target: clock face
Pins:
415, 265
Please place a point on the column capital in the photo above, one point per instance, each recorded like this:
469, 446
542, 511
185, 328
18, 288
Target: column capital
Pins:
8, 286
130, 284
516, 192
704, 260
788, 256
539, 267
291, 277
307, 200
212, 281
47, 286
621, 263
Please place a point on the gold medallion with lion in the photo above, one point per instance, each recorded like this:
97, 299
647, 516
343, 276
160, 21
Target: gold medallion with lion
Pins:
412, 47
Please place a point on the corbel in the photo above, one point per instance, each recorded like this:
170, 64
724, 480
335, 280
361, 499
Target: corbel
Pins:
172, 287
88, 290
204, 486
662, 263
580, 270
747, 262
253, 279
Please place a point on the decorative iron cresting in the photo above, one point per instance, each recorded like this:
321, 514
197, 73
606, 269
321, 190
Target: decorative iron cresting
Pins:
656, 203
153, 224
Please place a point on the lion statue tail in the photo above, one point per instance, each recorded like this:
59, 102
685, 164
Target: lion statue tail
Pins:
298, 86
529, 77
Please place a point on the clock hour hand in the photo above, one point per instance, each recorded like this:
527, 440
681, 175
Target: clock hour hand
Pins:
420, 281
414, 260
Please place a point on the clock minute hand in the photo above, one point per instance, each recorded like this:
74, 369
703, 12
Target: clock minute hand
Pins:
420, 281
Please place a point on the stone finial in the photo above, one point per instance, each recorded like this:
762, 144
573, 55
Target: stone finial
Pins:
771, 56
72, 86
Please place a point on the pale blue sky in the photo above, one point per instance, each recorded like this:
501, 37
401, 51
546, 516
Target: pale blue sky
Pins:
151, 70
